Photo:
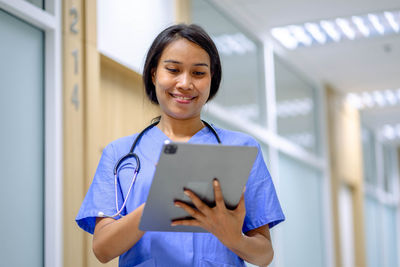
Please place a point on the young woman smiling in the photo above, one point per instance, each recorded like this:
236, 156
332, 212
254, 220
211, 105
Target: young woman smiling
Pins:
182, 72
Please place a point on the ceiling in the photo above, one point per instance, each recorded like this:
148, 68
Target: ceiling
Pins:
348, 66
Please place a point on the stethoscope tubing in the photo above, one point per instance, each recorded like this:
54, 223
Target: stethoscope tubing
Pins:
137, 169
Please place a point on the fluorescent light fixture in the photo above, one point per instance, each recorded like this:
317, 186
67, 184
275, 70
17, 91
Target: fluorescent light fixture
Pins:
367, 99
222, 48
284, 36
376, 23
236, 47
245, 42
315, 32
390, 97
378, 98
229, 44
354, 100
338, 29
295, 107
359, 22
392, 22
388, 132
300, 34
330, 30
346, 29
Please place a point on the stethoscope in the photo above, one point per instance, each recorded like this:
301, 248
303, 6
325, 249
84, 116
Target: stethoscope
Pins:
131, 154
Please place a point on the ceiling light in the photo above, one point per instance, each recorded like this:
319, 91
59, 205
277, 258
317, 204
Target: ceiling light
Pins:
392, 22
345, 27
295, 107
229, 44
376, 23
359, 22
388, 132
335, 30
246, 43
222, 48
330, 30
235, 46
378, 98
354, 100
284, 36
300, 34
371, 99
367, 99
315, 32
390, 97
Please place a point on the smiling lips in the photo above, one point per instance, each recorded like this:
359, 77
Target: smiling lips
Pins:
183, 99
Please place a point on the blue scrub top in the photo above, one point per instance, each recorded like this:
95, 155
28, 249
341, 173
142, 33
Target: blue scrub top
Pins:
165, 248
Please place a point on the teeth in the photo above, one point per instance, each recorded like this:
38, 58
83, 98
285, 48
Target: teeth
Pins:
183, 98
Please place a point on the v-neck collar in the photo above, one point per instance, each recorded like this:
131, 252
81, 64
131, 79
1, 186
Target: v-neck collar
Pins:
159, 136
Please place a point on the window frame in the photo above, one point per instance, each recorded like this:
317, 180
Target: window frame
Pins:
268, 135
377, 191
49, 21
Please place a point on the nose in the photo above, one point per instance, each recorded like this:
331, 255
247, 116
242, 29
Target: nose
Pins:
185, 81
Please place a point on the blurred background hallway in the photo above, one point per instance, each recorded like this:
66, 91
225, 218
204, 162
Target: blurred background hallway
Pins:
317, 83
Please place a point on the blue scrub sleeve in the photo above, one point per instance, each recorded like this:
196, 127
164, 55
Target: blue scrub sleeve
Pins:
101, 194
261, 201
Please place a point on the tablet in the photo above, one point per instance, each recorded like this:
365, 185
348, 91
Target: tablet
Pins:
194, 166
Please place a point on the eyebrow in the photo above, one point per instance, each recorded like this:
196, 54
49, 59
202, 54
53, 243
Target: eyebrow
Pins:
177, 62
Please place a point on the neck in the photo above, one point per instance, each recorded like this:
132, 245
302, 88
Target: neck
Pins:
180, 130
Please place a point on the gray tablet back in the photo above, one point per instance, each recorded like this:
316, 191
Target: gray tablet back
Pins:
194, 166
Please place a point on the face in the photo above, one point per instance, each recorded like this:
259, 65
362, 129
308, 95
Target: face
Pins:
182, 79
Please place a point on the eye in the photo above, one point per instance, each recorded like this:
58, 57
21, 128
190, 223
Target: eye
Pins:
172, 70
199, 73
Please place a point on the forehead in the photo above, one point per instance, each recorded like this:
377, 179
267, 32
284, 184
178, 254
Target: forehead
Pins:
185, 51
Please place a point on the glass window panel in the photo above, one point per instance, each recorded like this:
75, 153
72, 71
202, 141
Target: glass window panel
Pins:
388, 168
242, 86
38, 3
21, 142
346, 226
296, 107
381, 233
265, 151
369, 160
301, 200
222, 124
372, 232
390, 235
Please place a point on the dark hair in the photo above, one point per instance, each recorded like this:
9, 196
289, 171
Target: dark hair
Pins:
193, 33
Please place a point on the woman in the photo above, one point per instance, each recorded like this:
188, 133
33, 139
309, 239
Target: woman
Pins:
182, 72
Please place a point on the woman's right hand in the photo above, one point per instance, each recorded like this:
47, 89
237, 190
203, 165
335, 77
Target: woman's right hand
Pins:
113, 237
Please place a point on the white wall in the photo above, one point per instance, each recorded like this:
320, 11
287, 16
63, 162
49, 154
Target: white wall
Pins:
126, 28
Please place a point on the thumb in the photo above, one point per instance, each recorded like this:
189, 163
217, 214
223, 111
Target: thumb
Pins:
241, 205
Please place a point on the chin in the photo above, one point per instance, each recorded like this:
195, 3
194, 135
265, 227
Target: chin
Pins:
182, 116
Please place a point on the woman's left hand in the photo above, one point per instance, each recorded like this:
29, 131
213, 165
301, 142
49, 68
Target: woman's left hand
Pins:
225, 224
